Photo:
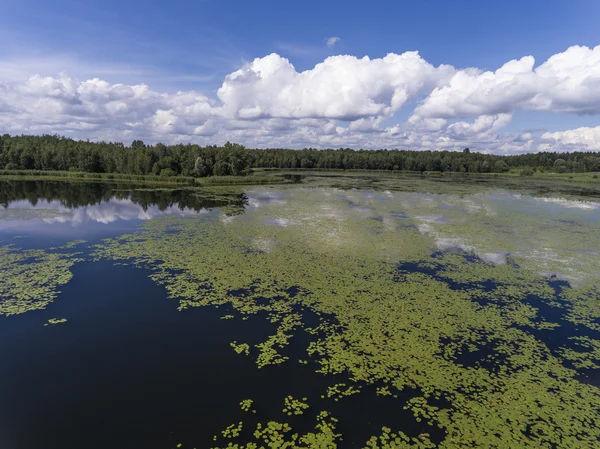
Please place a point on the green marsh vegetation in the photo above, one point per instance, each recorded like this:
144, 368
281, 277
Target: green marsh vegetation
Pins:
449, 297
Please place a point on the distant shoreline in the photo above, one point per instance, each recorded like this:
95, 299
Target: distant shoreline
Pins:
267, 176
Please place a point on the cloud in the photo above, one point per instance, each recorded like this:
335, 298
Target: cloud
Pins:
341, 87
483, 125
580, 139
331, 41
64, 105
566, 82
343, 101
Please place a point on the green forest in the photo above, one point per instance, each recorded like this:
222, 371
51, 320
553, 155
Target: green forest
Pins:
55, 153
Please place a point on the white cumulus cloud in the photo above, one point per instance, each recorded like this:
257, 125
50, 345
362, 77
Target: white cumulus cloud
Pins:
341, 87
566, 82
580, 139
343, 101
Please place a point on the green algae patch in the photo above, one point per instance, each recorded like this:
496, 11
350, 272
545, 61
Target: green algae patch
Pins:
54, 321
409, 293
246, 405
242, 348
233, 431
585, 354
279, 435
398, 440
294, 406
30, 279
339, 391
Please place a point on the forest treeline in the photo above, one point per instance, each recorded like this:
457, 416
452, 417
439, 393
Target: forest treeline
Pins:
64, 154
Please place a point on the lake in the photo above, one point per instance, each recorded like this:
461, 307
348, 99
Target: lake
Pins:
330, 312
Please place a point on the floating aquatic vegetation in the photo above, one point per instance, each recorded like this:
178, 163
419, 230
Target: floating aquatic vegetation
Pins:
585, 354
421, 409
339, 391
73, 244
384, 391
268, 353
54, 321
396, 312
233, 431
246, 405
280, 435
399, 440
242, 348
294, 406
29, 279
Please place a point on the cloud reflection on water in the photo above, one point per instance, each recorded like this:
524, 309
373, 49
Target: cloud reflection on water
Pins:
20, 213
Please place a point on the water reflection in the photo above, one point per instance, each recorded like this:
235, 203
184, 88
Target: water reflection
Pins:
30, 204
105, 212
554, 236
577, 204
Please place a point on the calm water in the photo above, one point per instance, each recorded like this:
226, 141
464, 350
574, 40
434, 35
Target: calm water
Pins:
129, 370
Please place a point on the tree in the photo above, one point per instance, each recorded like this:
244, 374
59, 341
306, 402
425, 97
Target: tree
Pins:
167, 172
137, 144
200, 168
50, 152
560, 166
221, 168
526, 172
500, 167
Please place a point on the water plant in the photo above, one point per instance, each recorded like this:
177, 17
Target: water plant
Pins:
246, 405
242, 348
30, 279
294, 406
278, 435
406, 299
233, 431
54, 321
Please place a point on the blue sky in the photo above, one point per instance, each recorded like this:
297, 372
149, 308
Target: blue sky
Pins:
192, 46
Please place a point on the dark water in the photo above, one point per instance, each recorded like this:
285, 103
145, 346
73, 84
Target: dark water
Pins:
128, 370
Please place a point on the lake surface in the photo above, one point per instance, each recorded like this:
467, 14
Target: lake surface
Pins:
350, 312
